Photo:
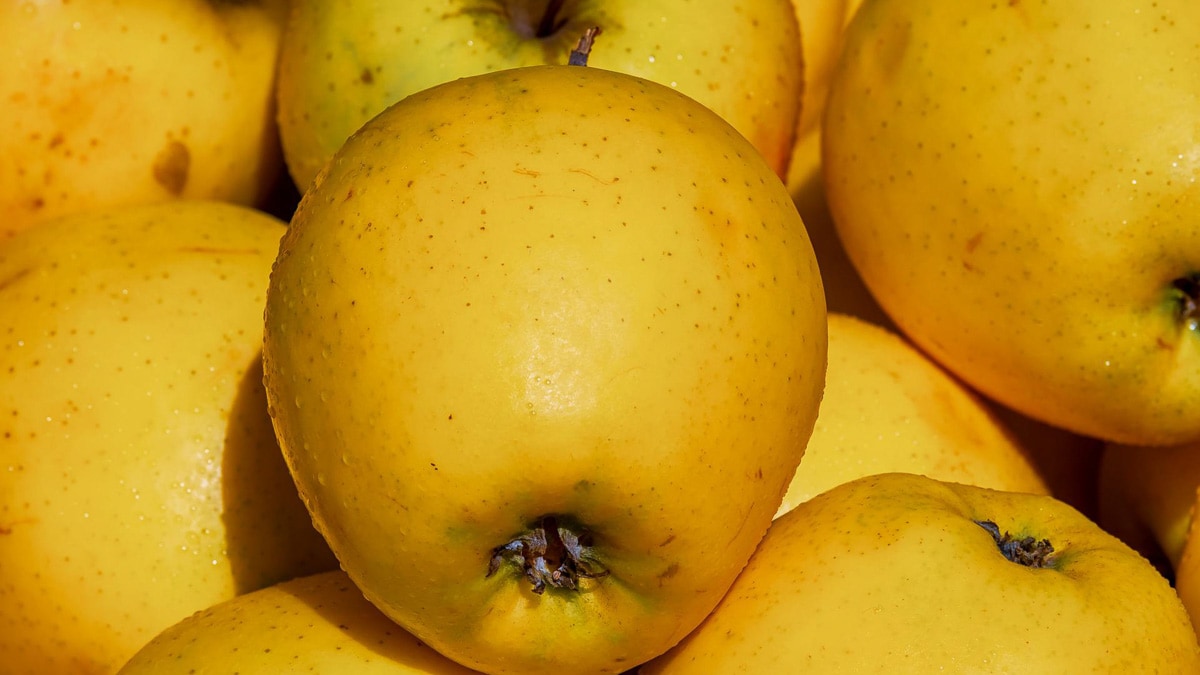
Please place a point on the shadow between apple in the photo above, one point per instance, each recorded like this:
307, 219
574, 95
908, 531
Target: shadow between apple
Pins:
269, 534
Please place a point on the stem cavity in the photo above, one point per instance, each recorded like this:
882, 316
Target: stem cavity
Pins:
1188, 290
550, 554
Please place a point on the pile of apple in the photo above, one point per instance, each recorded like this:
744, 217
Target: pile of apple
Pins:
544, 336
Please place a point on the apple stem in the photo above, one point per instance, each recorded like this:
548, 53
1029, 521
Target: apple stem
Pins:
579, 55
549, 555
550, 23
1189, 299
1025, 551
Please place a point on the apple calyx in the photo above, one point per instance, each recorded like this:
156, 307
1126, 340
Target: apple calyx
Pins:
1188, 297
579, 55
550, 554
1025, 551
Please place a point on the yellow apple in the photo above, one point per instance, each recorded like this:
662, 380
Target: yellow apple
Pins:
141, 479
342, 63
888, 408
1187, 573
116, 102
821, 23
1145, 497
543, 349
313, 624
1016, 183
900, 573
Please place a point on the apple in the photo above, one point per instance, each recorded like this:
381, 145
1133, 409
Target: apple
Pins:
1187, 572
110, 103
142, 481
888, 408
342, 63
1016, 183
901, 573
821, 23
543, 348
1145, 497
317, 624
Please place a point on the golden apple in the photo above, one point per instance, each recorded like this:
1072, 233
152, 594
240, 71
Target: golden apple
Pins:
543, 349
1187, 572
1145, 497
821, 23
888, 408
900, 573
1016, 183
342, 63
141, 480
313, 624
119, 102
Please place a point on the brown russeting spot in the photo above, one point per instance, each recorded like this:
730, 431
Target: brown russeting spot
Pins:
171, 167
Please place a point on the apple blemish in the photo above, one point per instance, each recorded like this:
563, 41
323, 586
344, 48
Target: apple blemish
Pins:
550, 554
1026, 551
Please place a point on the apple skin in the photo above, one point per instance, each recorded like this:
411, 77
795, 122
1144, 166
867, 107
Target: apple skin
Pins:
892, 573
123, 102
548, 291
316, 624
342, 63
1016, 184
143, 481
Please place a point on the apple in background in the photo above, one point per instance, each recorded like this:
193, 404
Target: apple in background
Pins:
888, 408
313, 624
1145, 497
821, 23
1016, 183
899, 573
110, 103
1187, 573
342, 63
142, 480
543, 348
